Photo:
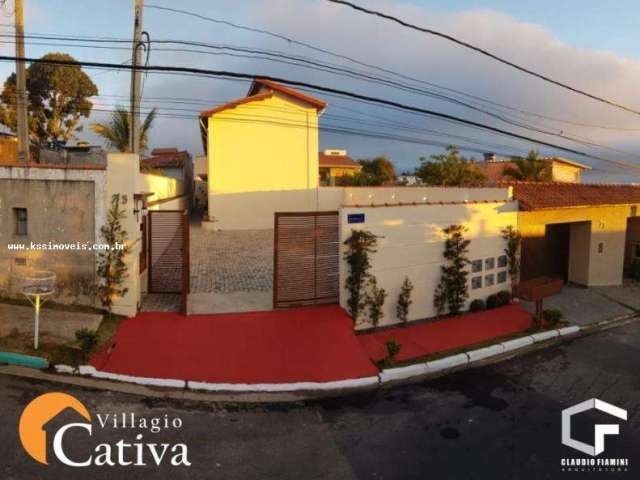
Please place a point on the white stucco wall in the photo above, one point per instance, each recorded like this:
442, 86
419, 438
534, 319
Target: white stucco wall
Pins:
412, 244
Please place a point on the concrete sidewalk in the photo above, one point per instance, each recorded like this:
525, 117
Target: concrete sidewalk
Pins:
586, 306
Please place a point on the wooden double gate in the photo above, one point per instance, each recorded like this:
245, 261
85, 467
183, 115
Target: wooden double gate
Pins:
169, 253
306, 260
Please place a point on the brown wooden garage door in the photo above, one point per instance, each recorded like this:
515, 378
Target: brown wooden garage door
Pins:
306, 259
169, 252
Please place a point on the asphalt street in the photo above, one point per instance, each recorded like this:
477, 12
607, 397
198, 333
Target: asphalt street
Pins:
497, 422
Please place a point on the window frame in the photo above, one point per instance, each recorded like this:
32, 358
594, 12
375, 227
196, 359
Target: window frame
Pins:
21, 225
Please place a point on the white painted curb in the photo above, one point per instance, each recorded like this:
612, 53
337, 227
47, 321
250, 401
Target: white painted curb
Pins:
569, 330
541, 336
157, 382
517, 343
448, 362
400, 373
61, 368
86, 369
482, 353
283, 387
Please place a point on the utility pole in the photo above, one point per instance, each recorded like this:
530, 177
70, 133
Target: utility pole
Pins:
21, 87
136, 58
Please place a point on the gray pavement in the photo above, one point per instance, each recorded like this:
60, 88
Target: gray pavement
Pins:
497, 422
585, 306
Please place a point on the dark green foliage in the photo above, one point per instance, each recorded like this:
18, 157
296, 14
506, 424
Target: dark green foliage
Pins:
116, 132
552, 316
492, 301
450, 169
377, 171
58, 96
635, 269
88, 339
504, 298
374, 300
359, 245
452, 291
477, 305
112, 270
530, 169
512, 251
404, 300
393, 349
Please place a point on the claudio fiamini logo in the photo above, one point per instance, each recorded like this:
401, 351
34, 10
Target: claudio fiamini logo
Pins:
601, 431
136, 451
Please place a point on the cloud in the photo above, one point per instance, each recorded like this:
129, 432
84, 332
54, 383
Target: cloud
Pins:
382, 43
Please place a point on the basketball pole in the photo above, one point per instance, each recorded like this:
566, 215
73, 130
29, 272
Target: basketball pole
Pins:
37, 322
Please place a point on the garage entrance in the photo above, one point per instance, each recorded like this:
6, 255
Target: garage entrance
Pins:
632, 243
306, 259
169, 253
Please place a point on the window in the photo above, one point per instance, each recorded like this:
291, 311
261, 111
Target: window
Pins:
476, 283
20, 215
489, 280
489, 263
502, 277
476, 266
601, 247
636, 250
502, 261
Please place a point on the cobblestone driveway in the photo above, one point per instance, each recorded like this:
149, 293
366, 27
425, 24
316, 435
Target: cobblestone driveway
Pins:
231, 261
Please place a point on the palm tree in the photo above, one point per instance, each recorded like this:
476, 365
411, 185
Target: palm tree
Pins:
531, 169
116, 131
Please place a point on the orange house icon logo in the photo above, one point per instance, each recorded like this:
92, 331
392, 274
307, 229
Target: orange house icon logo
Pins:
37, 414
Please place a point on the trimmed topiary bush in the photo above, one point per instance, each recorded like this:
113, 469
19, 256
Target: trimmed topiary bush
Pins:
492, 301
477, 305
504, 298
552, 316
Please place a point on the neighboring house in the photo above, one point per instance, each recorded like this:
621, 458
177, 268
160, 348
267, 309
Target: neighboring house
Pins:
263, 156
583, 233
336, 163
562, 169
62, 208
169, 162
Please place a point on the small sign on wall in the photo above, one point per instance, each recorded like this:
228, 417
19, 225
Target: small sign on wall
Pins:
355, 218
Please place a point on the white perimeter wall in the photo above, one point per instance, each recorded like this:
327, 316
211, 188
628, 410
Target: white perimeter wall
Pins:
412, 245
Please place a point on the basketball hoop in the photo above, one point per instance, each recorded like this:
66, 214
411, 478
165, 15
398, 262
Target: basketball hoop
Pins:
37, 286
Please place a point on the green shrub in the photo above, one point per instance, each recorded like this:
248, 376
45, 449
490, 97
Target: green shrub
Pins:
635, 269
88, 339
477, 305
552, 316
492, 301
404, 300
504, 298
393, 349
374, 300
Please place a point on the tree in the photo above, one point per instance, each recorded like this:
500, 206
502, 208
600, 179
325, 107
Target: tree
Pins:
380, 168
450, 170
117, 132
453, 291
112, 270
359, 245
512, 251
58, 96
530, 169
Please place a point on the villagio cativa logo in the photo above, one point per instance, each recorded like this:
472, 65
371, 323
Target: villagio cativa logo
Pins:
136, 451
593, 463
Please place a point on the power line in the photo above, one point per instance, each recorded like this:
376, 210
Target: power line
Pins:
314, 64
293, 41
245, 76
483, 52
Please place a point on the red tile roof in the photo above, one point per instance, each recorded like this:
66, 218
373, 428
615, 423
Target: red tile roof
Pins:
494, 170
235, 103
259, 83
166, 158
343, 161
551, 195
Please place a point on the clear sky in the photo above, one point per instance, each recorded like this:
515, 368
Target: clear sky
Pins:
591, 44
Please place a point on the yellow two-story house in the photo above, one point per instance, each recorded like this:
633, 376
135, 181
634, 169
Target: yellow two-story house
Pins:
262, 155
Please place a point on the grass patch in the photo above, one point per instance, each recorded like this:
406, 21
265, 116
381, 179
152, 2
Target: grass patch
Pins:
107, 329
50, 305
